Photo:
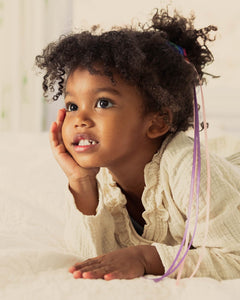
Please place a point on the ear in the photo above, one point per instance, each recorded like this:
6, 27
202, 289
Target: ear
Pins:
160, 123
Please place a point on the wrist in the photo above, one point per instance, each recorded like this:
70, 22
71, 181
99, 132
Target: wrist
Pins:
83, 183
151, 260
85, 194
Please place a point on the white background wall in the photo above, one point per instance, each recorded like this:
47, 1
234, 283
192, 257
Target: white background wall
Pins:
26, 26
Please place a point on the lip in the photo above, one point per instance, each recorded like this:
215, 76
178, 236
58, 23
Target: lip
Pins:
83, 148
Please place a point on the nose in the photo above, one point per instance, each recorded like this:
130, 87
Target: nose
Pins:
83, 120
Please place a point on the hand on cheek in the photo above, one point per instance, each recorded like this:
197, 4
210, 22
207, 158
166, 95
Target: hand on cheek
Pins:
125, 263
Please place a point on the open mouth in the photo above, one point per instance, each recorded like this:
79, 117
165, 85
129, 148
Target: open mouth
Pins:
84, 141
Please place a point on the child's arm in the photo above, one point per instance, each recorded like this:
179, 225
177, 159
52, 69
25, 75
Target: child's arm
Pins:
82, 182
125, 263
88, 224
221, 258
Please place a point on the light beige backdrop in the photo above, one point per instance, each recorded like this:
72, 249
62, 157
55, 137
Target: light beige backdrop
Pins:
26, 26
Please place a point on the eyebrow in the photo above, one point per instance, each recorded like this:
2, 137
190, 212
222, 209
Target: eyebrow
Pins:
98, 90
107, 89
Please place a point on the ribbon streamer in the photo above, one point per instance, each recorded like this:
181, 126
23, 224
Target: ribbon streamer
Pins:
195, 182
196, 170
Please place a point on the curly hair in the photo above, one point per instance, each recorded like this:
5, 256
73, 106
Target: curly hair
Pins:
143, 56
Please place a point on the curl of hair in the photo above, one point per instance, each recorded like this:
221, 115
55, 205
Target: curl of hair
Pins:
142, 56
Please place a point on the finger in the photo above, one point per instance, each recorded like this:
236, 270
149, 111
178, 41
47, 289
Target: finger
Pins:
114, 275
53, 137
60, 119
111, 276
55, 132
72, 269
90, 274
118, 275
95, 274
61, 116
77, 274
90, 269
87, 263
95, 267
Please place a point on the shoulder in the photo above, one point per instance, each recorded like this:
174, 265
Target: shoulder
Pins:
176, 171
177, 155
171, 165
177, 158
178, 146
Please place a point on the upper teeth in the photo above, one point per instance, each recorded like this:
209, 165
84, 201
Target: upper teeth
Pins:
86, 142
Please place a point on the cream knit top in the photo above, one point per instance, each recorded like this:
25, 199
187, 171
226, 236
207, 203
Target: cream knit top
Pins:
165, 199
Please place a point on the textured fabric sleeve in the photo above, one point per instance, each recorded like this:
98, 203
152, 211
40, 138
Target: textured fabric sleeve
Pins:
222, 253
89, 236
217, 263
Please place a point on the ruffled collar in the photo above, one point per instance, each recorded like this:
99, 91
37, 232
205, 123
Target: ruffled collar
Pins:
151, 170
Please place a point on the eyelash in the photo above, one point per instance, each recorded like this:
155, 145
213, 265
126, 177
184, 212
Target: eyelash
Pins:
106, 100
69, 104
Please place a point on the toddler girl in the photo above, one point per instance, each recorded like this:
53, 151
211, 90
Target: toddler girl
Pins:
122, 144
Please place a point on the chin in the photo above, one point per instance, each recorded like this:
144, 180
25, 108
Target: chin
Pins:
87, 164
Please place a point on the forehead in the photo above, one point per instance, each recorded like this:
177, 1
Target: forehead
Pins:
81, 83
82, 80
83, 75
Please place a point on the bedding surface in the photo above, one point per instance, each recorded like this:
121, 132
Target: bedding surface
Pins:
34, 258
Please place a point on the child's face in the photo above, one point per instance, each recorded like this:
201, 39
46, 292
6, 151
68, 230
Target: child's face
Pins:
104, 124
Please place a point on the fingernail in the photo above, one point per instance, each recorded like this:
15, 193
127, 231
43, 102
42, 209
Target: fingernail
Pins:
87, 275
71, 269
77, 274
108, 277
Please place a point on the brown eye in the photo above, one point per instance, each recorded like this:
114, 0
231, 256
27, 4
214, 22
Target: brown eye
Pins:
71, 107
104, 103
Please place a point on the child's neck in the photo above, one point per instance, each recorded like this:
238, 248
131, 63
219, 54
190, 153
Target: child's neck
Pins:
133, 192
130, 175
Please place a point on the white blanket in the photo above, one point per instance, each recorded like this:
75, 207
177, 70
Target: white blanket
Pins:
34, 259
